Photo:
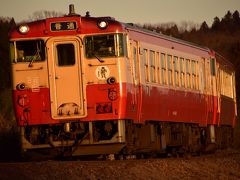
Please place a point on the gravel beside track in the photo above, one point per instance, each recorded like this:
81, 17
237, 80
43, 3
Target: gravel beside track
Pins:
224, 164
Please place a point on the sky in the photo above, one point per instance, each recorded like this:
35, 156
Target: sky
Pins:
134, 11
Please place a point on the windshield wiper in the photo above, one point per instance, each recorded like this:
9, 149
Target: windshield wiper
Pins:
31, 62
35, 57
100, 60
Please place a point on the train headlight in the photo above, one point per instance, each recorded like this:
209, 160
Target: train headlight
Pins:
21, 86
102, 24
23, 29
111, 80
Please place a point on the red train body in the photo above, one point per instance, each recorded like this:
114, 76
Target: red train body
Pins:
97, 86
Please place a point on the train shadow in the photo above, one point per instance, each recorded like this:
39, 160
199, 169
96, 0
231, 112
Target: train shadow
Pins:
236, 135
10, 147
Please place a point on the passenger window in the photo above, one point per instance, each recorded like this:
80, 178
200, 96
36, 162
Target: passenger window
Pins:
135, 69
65, 54
188, 74
152, 66
145, 60
194, 75
176, 71
197, 74
169, 62
182, 75
163, 69
158, 77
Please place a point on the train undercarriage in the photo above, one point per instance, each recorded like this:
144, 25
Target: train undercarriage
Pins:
124, 138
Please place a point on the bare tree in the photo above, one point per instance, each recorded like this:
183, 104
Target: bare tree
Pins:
38, 15
188, 26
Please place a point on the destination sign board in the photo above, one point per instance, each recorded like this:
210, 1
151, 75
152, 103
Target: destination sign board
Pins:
63, 26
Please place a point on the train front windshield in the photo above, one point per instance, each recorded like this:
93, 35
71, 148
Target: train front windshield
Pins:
28, 51
109, 45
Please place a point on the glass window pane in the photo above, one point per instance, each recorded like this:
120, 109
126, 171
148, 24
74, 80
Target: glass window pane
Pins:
169, 61
182, 75
152, 66
176, 71
65, 54
135, 62
145, 60
212, 64
12, 52
32, 50
108, 45
163, 69
188, 73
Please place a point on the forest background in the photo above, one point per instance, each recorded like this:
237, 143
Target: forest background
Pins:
223, 36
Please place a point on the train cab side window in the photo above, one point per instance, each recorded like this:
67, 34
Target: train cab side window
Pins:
29, 51
12, 52
121, 44
65, 54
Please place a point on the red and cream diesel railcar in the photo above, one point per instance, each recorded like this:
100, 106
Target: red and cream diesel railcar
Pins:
93, 85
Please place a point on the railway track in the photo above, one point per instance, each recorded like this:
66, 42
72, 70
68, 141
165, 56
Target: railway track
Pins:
223, 164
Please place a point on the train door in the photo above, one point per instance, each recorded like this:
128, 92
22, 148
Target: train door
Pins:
137, 88
65, 78
214, 88
211, 89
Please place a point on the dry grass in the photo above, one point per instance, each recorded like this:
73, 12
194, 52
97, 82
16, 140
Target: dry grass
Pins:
7, 120
9, 134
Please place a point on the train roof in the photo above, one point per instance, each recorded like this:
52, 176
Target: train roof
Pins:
220, 58
161, 35
136, 28
89, 25
67, 25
